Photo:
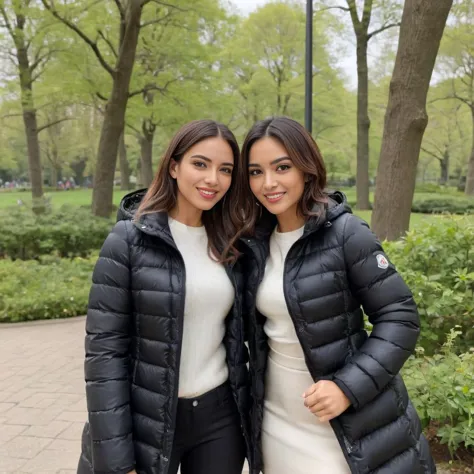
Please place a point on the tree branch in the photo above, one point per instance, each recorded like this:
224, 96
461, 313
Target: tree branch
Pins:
164, 4
11, 115
82, 35
353, 11
462, 99
138, 132
336, 7
323, 129
101, 97
431, 153
108, 42
149, 88
366, 14
7, 25
39, 59
51, 124
120, 9
166, 17
383, 28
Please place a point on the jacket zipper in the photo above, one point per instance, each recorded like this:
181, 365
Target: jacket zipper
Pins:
231, 275
166, 456
261, 273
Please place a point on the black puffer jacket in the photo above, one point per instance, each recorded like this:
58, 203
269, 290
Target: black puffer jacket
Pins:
133, 345
333, 270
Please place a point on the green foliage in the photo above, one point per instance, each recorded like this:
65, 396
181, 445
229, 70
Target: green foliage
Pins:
46, 289
441, 388
437, 262
439, 204
431, 201
431, 188
68, 232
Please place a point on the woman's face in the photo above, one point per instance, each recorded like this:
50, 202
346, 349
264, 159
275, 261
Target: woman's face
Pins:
274, 180
204, 174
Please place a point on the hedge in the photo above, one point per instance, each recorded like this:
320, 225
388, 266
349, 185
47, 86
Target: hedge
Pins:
68, 232
48, 289
425, 203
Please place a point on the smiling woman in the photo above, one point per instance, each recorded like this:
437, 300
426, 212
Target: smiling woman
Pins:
327, 396
166, 375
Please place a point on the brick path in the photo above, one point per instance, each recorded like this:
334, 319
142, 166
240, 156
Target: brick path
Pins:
42, 404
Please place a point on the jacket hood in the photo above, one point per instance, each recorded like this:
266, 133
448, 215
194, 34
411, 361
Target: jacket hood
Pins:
129, 204
155, 223
336, 206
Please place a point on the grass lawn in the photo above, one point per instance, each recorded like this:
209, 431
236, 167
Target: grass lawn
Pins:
78, 197
83, 197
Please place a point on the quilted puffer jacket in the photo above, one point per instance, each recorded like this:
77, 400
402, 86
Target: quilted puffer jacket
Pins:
333, 273
133, 344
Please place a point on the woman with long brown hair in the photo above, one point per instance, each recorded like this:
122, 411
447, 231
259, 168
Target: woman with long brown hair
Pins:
327, 396
165, 369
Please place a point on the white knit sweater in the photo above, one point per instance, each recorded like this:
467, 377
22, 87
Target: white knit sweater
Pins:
209, 298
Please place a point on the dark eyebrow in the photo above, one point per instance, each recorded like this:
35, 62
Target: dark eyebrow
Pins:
283, 158
205, 158
274, 162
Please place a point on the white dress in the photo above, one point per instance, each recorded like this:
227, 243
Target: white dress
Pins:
293, 440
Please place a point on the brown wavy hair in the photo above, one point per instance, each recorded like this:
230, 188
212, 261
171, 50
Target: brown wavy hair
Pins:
304, 153
223, 221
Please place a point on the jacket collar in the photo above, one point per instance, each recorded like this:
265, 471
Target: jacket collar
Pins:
155, 224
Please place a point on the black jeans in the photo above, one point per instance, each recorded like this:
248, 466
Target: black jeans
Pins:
208, 438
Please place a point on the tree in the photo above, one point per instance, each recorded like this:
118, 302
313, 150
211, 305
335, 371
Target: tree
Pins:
457, 58
363, 36
444, 136
130, 15
116, 55
31, 51
406, 118
264, 68
386, 14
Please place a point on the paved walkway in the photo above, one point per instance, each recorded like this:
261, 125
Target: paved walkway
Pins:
42, 403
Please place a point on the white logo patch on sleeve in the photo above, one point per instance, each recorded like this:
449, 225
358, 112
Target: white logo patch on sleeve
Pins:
382, 262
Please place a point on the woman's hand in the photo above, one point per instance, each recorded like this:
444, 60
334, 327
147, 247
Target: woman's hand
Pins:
326, 400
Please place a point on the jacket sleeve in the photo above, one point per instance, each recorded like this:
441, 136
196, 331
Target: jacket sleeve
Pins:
391, 309
107, 357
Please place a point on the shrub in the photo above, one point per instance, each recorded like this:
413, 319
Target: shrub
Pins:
435, 188
444, 203
69, 232
437, 262
442, 390
46, 289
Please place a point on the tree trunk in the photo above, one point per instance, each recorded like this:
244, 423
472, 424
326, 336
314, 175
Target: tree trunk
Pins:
29, 120
406, 118
139, 174
124, 166
469, 189
146, 152
363, 124
444, 168
54, 176
114, 117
